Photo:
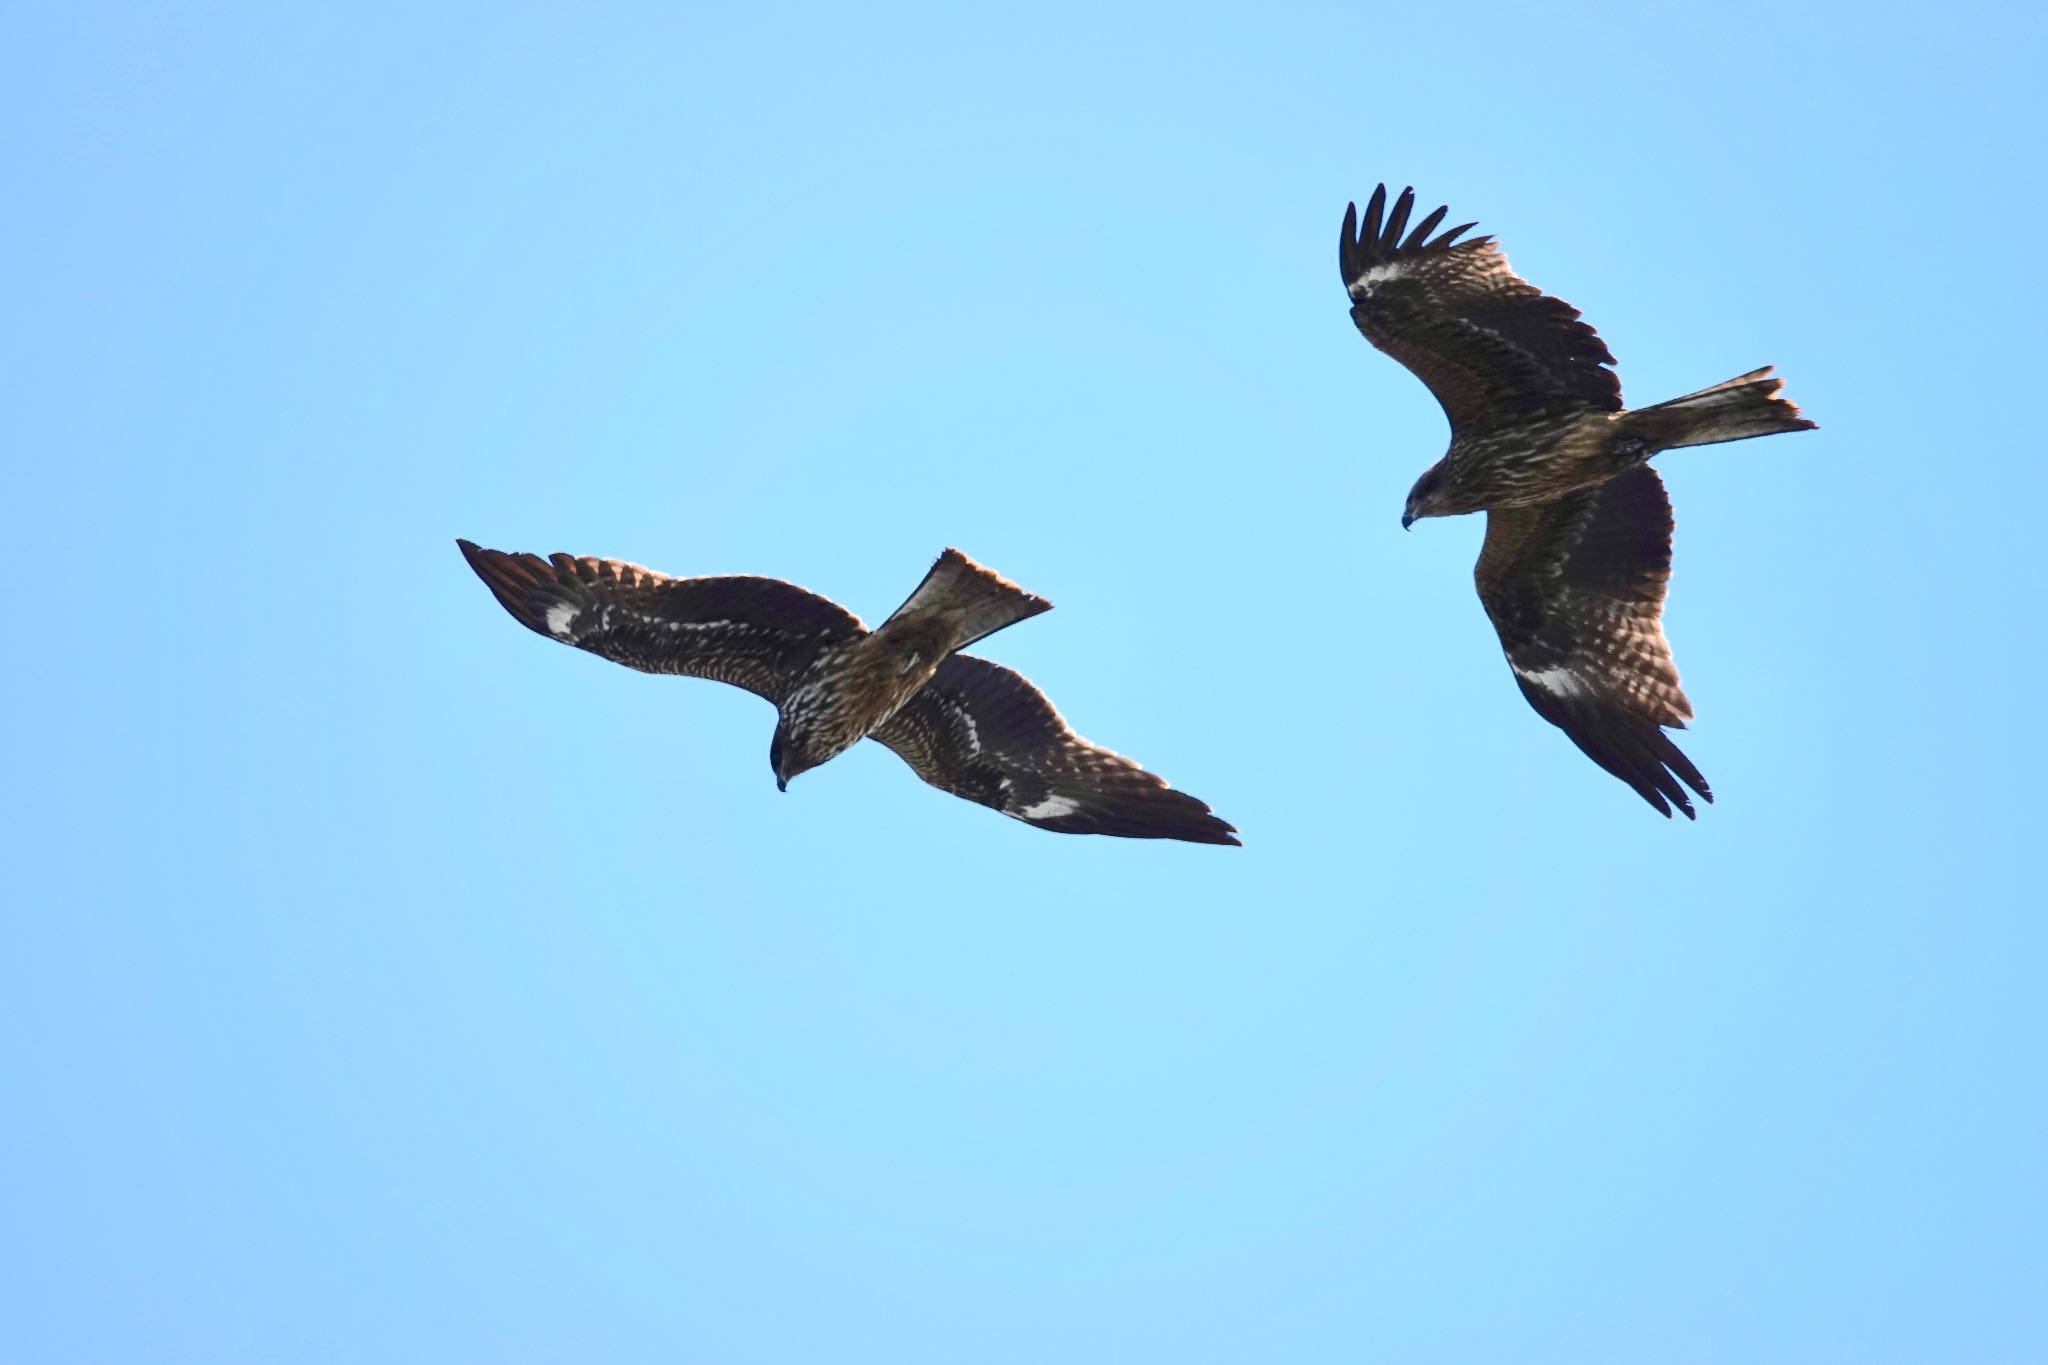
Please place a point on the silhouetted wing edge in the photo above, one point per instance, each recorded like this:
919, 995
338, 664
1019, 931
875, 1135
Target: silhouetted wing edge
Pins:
1631, 746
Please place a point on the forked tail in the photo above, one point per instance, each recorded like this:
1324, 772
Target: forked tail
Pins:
983, 599
1747, 405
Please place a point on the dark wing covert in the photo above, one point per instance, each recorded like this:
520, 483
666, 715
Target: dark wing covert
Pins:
983, 732
756, 633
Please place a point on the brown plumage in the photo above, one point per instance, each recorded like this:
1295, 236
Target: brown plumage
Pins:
1578, 537
1575, 589
965, 725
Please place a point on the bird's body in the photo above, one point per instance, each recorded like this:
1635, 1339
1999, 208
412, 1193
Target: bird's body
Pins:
964, 725
853, 686
1535, 461
1578, 542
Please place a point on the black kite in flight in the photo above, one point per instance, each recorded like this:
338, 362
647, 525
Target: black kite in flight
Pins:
963, 724
1578, 527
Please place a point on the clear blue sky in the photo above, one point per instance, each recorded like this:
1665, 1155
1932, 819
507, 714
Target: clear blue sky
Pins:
384, 983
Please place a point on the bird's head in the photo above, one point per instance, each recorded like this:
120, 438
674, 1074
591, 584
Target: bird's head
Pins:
1423, 498
789, 754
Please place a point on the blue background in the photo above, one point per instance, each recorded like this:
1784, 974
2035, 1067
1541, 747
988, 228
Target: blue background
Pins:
384, 983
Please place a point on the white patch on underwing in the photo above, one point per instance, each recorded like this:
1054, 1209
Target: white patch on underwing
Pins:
1369, 280
561, 616
1559, 682
697, 625
1051, 808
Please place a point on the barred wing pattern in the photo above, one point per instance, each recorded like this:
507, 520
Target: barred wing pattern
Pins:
1490, 346
1575, 589
756, 633
982, 732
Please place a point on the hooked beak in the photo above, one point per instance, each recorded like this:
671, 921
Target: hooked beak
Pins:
1407, 521
781, 783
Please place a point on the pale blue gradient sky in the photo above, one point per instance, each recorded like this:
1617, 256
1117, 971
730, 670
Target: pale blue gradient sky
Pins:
384, 983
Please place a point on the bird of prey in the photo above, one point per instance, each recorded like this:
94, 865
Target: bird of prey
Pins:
965, 725
1578, 527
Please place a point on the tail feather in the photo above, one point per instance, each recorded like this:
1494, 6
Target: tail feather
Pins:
1734, 410
984, 598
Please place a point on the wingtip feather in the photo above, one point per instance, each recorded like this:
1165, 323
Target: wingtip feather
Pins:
520, 582
1420, 235
1631, 747
1382, 232
1397, 221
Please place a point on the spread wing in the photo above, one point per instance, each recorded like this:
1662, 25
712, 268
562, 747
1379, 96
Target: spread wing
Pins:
980, 731
1489, 345
756, 633
1575, 588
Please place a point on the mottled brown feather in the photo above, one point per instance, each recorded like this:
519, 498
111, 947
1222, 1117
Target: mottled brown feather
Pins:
1492, 347
983, 732
756, 633
1575, 589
